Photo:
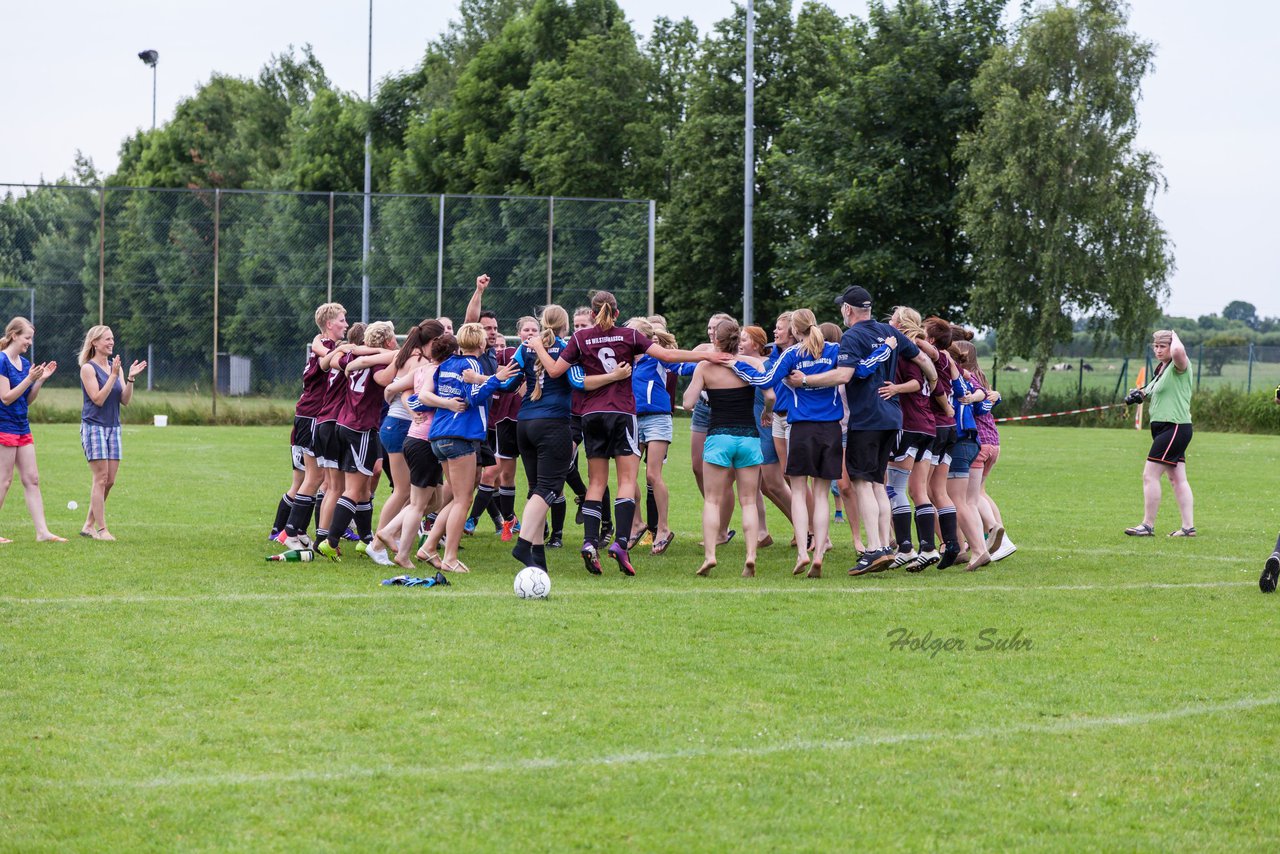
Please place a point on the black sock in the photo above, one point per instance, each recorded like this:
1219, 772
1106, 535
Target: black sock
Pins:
651, 511
902, 529
924, 527
1278, 543
540, 557
315, 510
343, 513
283, 509
558, 509
364, 521
591, 521
606, 513
484, 495
522, 551
575, 480
947, 522
507, 502
624, 510
300, 515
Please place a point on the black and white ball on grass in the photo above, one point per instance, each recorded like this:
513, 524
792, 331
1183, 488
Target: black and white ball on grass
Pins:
532, 582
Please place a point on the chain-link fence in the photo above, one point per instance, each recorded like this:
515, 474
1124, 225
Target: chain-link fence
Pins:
205, 283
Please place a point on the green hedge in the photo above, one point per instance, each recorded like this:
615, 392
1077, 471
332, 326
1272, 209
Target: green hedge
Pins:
1223, 410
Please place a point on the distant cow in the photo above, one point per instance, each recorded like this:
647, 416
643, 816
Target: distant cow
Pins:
1062, 366
1012, 368
1086, 366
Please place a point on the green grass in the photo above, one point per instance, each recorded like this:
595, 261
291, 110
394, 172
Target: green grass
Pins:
173, 690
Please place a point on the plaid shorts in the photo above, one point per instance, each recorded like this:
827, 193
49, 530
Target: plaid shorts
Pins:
100, 443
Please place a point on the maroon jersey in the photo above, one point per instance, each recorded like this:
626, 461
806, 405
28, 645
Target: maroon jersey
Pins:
917, 412
600, 352
314, 382
942, 390
335, 393
505, 405
362, 404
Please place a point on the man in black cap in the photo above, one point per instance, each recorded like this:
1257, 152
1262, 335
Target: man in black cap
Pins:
865, 365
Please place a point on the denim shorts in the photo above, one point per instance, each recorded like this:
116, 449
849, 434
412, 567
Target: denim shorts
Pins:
963, 454
655, 427
392, 434
767, 451
451, 448
701, 417
732, 452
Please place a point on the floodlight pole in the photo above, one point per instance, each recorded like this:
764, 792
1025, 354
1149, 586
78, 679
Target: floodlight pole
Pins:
749, 169
153, 95
368, 187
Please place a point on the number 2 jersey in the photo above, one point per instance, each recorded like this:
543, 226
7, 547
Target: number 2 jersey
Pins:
362, 407
600, 352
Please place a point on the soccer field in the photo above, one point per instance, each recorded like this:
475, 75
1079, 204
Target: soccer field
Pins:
175, 691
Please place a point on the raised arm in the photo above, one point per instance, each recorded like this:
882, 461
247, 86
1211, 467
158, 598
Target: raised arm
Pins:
474, 304
99, 392
1179, 354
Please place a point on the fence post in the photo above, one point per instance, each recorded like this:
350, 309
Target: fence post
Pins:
329, 289
1124, 373
440, 262
1248, 388
217, 224
551, 236
653, 218
102, 252
1080, 386
1199, 365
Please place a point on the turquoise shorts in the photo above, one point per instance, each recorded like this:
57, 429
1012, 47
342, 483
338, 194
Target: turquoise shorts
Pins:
732, 452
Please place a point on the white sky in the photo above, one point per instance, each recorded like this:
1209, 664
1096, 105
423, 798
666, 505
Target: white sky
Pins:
70, 79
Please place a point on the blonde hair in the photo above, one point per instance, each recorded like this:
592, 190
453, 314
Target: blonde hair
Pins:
91, 338
15, 327
380, 333
522, 321
658, 320
805, 330
471, 336
605, 308
655, 332
327, 312
909, 323
555, 321
1162, 336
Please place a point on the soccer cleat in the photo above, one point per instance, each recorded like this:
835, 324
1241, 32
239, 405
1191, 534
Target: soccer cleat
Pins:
294, 543
351, 535
362, 548
281, 536
469, 527
618, 553
591, 558
646, 539
925, 559
516, 529
606, 530
556, 541
577, 514
902, 559
331, 552
508, 528
1270, 573
950, 555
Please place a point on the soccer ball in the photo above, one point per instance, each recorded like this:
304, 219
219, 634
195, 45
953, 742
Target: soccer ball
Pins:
532, 583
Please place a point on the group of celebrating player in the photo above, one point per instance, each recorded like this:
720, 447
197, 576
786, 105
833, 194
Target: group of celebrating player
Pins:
885, 415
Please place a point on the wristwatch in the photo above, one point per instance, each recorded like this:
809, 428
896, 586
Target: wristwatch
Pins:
804, 381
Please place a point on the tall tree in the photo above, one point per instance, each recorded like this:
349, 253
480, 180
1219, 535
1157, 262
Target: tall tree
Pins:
1057, 198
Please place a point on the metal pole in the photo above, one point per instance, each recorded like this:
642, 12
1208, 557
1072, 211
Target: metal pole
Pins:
749, 169
102, 252
31, 294
151, 365
328, 295
1080, 386
153, 95
1248, 389
653, 216
368, 185
551, 236
217, 226
1199, 365
440, 262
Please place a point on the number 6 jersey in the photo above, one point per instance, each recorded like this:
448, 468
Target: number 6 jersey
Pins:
600, 352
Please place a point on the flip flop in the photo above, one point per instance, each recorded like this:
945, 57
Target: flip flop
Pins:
457, 566
661, 545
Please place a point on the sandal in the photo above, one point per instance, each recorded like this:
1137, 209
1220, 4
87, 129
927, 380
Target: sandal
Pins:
1143, 530
432, 558
457, 566
661, 545
1184, 532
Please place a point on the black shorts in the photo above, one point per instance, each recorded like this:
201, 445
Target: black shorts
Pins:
1169, 442
943, 442
485, 457
813, 450
866, 455
424, 469
917, 446
505, 446
327, 446
361, 450
546, 450
575, 429
610, 434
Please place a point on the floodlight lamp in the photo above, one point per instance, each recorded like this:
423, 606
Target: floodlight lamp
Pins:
150, 57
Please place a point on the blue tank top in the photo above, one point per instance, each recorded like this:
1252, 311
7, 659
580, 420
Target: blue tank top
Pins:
108, 414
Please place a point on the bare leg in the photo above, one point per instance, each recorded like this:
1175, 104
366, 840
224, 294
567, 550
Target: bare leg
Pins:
821, 524
970, 523
696, 442
29, 474
869, 510
715, 480
661, 494
1151, 492
748, 480
1182, 494
800, 521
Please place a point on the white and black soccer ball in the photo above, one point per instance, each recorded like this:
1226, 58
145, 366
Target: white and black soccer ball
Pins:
532, 582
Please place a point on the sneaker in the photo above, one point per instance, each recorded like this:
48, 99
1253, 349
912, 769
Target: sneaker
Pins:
1006, 548
331, 552
618, 553
555, 541
950, 555
508, 527
591, 558
902, 559
469, 527
872, 560
1270, 572
379, 556
996, 539
925, 559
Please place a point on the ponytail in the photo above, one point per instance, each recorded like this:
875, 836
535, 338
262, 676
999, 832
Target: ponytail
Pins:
419, 337
555, 320
807, 333
605, 308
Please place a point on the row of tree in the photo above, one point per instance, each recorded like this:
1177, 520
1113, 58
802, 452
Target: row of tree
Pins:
945, 161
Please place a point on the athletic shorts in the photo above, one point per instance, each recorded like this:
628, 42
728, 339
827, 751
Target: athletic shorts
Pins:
424, 468
781, 426
866, 456
100, 443
16, 440
361, 450
392, 434
943, 442
451, 448
962, 456
986, 459
326, 445
1169, 442
505, 445
655, 427
485, 456
575, 429
546, 450
303, 437
813, 450
701, 417
917, 446
732, 452
609, 434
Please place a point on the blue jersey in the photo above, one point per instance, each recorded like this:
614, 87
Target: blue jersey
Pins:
649, 385
784, 396
809, 404
472, 422
13, 418
557, 392
965, 423
863, 348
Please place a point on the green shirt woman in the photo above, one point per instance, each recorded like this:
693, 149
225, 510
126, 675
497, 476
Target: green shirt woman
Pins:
1170, 398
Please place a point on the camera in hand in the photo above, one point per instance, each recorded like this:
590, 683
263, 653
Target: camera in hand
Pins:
1278, 394
1135, 395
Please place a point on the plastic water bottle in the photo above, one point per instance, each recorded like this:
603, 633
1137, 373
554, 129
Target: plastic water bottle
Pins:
294, 555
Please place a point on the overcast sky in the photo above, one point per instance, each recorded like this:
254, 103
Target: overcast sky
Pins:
72, 80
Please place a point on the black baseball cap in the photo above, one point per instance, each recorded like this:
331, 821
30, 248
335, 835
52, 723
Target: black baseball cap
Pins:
856, 296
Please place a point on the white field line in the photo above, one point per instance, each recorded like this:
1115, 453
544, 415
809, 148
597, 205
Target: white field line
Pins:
642, 757
807, 590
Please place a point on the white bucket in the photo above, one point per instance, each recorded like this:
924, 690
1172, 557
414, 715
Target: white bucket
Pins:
162, 420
